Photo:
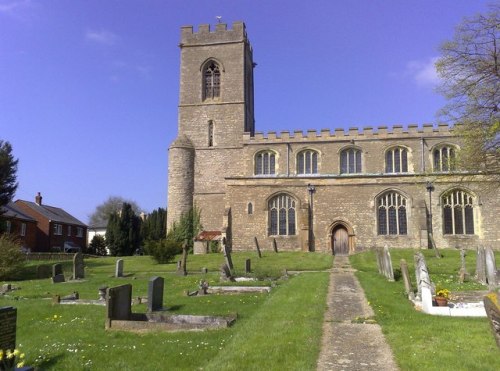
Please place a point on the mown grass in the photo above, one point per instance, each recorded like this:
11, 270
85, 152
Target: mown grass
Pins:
71, 337
420, 341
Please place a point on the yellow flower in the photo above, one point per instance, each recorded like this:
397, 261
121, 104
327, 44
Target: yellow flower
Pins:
20, 365
16, 352
10, 355
21, 355
1, 354
55, 316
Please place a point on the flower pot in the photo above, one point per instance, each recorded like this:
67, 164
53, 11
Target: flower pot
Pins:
441, 301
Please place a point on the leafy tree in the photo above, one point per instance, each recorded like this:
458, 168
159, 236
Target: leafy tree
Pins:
111, 206
470, 71
187, 227
11, 257
123, 232
98, 245
153, 228
8, 169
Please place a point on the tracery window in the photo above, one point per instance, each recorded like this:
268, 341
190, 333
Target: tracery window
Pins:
265, 163
350, 161
282, 215
396, 160
307, 162
391, 214
458, 213
211, 81
444, 159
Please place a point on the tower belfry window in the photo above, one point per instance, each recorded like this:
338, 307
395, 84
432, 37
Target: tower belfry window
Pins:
212, 81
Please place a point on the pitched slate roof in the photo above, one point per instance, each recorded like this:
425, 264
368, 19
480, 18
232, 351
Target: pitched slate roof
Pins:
52, 213
11, 211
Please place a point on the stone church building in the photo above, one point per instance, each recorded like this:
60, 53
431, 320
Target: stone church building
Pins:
336, 191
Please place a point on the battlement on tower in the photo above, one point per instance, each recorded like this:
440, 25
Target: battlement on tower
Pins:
353, 133
206, 36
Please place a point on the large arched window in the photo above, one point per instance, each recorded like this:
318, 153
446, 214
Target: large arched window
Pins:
282, 216
350, 161
396, 160
211, 81
391, 214
265, 163
444, 158
458, 213
307, 162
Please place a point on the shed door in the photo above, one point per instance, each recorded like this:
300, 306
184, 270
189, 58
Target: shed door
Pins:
340, 241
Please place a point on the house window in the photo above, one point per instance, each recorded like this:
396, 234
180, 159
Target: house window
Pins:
444, 159
8, 226
307, 162
23, 229
58, 229
211, 81
265, 163
391, 214
282, 216
396, 160
79, 232
250, 208
210, 133
458, 213
350, 161
69, 231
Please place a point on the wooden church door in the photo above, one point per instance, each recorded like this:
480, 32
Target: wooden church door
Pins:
340, 241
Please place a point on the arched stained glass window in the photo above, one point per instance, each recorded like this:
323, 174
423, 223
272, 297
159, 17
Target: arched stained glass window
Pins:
458, 213
265, 163
350, 161
211, 81
444, 158
391, 214
307, 162
396, 160
282, 216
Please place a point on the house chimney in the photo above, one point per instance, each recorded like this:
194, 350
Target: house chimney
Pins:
38, 199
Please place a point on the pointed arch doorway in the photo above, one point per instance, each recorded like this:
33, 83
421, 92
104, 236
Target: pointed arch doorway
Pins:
341, 238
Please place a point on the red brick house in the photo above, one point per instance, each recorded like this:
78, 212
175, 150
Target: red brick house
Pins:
20, 225
55, 227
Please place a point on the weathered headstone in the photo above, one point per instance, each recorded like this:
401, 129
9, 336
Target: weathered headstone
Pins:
118, 303
225, 273
5, 288
8, 318
78, 266
418, 260
248, 266
43, 271
491, 267
102, 292
406, 279
257, 247
155, 294
119, 268
204, 270
492, 308
227, 254
462, 274
182, 269
57, 269
481, 265
203, 287
275, 245
384, 262
58, 278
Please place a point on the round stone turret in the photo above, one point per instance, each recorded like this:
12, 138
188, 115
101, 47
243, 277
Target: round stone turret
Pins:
181, 178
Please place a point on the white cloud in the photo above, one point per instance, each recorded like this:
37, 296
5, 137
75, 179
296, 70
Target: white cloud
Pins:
102, 37
17, 9
423, 73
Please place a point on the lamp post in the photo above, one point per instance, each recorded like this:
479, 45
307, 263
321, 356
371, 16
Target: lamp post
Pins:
311, 189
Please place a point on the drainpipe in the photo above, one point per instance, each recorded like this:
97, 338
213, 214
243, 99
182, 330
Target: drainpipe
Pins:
288, 159
422, 165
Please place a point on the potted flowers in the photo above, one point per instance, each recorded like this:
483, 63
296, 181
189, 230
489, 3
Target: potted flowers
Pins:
442, 297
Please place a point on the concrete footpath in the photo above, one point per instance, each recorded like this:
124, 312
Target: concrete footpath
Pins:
347, 345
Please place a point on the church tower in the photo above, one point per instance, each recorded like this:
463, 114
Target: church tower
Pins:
216, 106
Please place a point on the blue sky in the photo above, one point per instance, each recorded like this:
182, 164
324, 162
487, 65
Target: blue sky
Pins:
89, 88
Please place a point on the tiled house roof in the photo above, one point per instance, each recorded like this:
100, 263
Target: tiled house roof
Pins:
54, 214
12, 211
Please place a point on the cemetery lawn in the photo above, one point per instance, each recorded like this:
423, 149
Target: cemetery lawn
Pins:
420, 341
274, 331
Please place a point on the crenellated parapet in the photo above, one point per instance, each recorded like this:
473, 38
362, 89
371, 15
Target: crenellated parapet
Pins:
353, 133
219, 35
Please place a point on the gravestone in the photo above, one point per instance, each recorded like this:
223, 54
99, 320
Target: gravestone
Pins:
118, 303
463, 270
57, 269
182, 270
257, 247
155, 294
248, 266
227, 254
203, 287
43, 271
406, 279
78, 266
102, 293
491, 267
418, 260
204, 270
225, 273
275, 245
492, 308
8, 318
481, 265
119, 268
384, 262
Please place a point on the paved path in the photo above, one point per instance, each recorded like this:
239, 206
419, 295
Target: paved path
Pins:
346, 345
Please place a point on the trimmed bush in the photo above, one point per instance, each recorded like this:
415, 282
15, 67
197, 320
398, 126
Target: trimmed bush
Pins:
163, 251
11, 256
